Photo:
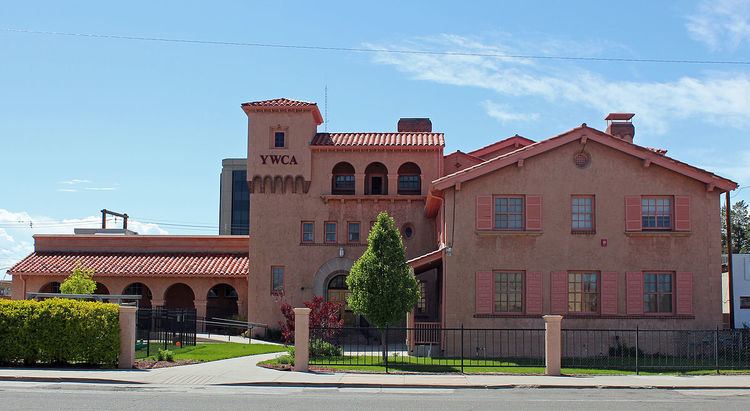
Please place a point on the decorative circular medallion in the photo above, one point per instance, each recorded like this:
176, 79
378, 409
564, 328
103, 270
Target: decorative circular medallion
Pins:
407, 231
582, 159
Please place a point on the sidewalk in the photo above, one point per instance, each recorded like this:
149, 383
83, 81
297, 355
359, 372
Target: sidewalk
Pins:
243, 371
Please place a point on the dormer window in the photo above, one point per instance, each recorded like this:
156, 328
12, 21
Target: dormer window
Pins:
279, 139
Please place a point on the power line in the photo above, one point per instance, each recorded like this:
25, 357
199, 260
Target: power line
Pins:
377, 50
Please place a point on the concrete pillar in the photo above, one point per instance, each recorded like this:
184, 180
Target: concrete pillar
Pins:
552, 344
127, 337
359, 184
200, 307
157, 302
301, 339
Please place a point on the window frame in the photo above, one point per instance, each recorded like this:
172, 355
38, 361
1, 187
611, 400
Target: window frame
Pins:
656, 216
273, 139
422, 302
584, 293
335, 232
409, 191
746, 298
302, 232
495, 213
591, 230
673, 293
522, 292
349, 232
336, 190
275, 291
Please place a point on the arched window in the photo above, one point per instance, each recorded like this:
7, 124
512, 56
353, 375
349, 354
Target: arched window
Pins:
376, 179
342, 181
409, 179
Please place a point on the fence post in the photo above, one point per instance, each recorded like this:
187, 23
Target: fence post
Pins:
301, 339
126, 359
637, 372
462, 348
716, 349
552, 344
386, 348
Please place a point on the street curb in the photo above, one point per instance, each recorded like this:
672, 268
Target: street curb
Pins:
68, 379
478, 386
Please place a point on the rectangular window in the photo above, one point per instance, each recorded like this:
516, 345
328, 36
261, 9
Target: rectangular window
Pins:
583, 292
509, 213
330, 231
745, 303
657, 292
508, 292
277, 279
353, 232
343, 184
656, 213
409, 184
308, 232
240, 222
278, 139
582, 213
422, 303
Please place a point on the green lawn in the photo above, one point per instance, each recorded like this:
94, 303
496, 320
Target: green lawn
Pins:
374, 364
212, 351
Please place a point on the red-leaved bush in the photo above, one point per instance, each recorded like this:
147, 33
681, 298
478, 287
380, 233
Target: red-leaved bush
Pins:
323, 314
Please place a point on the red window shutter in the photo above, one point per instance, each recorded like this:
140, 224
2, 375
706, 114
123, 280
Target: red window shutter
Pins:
682, 213
484, 213
534, 292
609, 293
559, 292
684, 290
634, 293
534, 212
633, 213
483, 292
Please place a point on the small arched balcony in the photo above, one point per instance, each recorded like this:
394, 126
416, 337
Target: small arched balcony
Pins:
342, 179
409, 179
376, 179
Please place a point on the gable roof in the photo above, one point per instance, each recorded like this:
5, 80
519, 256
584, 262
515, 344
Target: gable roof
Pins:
585, 132
402, 139
284, 104
513, 141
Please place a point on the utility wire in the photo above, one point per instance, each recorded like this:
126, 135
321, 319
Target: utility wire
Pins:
376, 50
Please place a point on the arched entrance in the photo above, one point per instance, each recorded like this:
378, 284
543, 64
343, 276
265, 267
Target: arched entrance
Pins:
338, 292
142, 290
52, 287
221, 302
179, 295
101, 289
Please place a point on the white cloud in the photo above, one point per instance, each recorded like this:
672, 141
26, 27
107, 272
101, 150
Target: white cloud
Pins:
75, 181
67, 190
100, 188
504, 114
75, 185
721, 98
721, 24
18, 228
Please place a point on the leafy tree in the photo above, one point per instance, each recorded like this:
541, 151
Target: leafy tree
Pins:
381, 285
79, 282
323, 314
740, 228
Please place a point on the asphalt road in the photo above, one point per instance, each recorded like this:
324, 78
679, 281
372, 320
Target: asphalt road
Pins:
47, 396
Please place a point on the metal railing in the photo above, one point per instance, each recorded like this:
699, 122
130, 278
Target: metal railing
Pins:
436, 350
657, 350
164, 329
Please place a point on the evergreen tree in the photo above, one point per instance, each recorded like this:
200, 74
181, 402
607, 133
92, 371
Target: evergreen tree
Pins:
382, 287
740, 228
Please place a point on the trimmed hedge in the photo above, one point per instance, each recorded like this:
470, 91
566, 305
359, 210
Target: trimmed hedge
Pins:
58, 331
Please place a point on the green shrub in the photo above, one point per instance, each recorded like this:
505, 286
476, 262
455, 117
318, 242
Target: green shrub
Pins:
165, 355
57, 331
322, 348
286, 359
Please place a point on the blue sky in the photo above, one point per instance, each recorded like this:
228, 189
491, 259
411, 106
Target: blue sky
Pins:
141, 127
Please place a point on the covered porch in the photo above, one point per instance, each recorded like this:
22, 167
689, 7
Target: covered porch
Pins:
425, 321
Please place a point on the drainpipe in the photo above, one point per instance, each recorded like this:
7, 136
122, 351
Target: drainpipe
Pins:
729, 260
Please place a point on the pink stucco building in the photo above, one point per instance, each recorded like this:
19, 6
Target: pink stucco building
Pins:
587, 224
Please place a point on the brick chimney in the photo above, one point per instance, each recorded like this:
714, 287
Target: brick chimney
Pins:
621, 126
415, 125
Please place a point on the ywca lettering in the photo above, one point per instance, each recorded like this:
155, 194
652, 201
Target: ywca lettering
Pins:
277, 159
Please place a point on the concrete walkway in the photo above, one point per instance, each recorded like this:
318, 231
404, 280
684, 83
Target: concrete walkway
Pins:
243, 371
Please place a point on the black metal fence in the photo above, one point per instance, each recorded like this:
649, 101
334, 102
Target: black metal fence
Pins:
657, 350
437, 349
433, 350
161, 328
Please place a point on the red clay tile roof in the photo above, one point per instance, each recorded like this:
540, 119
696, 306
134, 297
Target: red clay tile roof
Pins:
136, 264
279, 102
619, 116
409, 139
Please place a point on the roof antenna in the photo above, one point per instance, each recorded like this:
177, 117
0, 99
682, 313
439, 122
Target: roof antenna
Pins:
325, 108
